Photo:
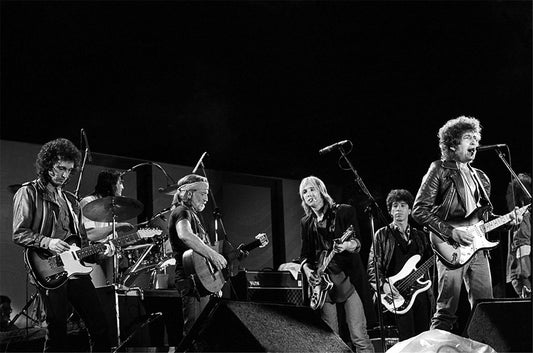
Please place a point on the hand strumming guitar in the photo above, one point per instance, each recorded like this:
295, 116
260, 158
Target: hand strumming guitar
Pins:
311, 275
462, 237
58, 246
217, 260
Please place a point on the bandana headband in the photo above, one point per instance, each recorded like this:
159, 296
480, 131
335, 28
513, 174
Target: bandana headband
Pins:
195, 185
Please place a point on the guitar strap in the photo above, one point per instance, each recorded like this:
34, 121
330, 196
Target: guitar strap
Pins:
201, 233
483, 191
333, 218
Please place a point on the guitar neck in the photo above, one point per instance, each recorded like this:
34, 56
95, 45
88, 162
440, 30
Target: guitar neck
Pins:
100, 247
413, 276
252, 245
328, 258
495, 223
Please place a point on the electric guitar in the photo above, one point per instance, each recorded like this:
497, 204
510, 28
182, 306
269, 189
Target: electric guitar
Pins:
51, 270
317, 293
409, 284
454, 255
207, 278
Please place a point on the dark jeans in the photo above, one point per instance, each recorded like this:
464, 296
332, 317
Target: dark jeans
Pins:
417, 319
82, 295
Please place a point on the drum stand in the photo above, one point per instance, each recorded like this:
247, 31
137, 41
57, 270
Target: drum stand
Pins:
116, 285
36, 319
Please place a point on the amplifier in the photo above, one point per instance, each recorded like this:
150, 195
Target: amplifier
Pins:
274, 287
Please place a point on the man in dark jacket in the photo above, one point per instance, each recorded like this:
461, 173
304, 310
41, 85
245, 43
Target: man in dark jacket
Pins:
454, 193
44, 216
397, 244
321, 227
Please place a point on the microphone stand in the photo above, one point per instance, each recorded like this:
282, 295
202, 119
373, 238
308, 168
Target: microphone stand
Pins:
508, 166
85, 154
217, 215
168, 177
368, 210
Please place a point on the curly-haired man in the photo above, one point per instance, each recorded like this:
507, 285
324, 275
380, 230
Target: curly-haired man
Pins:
453, 192
44, 216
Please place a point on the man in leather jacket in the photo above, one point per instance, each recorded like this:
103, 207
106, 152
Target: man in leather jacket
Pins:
396, 244
452, 191
321, 227
44, 216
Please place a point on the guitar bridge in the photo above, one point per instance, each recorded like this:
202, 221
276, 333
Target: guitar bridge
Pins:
55, 277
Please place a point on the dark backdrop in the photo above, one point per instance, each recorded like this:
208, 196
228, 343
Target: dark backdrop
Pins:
262, 86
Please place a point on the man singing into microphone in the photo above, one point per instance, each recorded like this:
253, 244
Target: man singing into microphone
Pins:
453, 192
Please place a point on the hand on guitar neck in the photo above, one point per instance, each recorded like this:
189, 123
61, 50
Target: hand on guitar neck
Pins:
465, 237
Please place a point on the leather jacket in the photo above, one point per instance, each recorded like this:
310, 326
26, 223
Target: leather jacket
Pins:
33, 216
384, 240
441, 197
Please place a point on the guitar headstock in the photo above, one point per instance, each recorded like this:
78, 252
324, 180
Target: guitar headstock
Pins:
148, 232
263, 238
347, 233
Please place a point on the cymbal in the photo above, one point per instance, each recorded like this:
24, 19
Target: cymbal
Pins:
103, 210
169, 189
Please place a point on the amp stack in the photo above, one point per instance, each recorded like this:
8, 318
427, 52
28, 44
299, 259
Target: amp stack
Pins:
278, 287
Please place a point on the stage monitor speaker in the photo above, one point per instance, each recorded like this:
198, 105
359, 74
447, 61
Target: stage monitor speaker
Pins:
233, 326
503, 324
132, 313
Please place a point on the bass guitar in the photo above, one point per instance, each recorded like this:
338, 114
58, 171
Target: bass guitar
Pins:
408, 282
51, 270
208, 279
317, 293
454, 255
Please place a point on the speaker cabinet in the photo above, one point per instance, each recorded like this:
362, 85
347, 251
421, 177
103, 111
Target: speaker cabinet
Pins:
503, 324
232, 326
277, 287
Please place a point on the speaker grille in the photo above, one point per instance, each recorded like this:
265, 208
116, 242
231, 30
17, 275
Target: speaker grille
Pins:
276, 295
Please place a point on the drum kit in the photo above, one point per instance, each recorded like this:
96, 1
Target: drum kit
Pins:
143, 265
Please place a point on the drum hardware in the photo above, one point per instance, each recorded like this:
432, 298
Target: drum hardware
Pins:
113, 209
141, 258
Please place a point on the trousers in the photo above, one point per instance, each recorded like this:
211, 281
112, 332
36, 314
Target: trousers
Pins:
477, 278
355, 319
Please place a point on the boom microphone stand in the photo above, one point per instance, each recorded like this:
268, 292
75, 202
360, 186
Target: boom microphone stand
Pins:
217, 215
373, 206
508, 166
86, 154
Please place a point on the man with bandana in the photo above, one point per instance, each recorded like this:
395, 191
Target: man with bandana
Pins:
187, 231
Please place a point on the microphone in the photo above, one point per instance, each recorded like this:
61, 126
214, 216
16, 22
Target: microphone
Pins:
490, 147
87, 145
332, 147
199, 162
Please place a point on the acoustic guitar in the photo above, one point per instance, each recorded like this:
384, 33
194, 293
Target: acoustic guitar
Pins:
208, 279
